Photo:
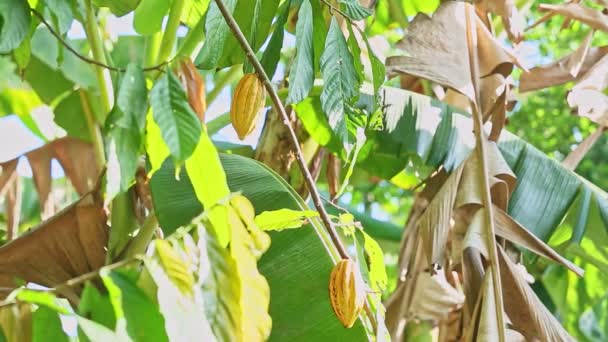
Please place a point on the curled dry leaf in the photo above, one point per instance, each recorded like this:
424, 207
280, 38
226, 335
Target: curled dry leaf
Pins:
247, 103
574, 158
67, 245
40, 161
195, 86
434, 297
574, 64
511, 17
557, 72
589, 16
346, 291
587, 95
78, 161
437, 50
527, 313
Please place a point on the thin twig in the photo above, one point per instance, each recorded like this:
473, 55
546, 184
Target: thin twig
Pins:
310, 183
83, 57
92, 275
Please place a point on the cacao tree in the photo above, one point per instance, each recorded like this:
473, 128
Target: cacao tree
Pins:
250, 170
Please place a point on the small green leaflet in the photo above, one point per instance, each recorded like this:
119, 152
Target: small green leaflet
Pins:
341, 80
46, 299
283, 219
354, 10
217, 32
272, 54
302, 74
179, 125
118, 7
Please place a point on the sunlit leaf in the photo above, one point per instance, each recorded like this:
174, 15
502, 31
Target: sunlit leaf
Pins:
283, 219
209, 182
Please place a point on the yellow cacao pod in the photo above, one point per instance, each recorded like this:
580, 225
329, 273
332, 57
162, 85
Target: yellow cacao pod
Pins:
247, 102
346, 291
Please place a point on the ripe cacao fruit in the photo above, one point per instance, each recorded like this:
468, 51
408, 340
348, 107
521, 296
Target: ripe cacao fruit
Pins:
346, 291
194, 85
247, 102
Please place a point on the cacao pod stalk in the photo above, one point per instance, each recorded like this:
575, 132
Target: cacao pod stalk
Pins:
346, 291
247, 103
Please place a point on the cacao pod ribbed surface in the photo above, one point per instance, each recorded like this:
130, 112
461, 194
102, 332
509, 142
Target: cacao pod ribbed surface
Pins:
247, 102
346, 291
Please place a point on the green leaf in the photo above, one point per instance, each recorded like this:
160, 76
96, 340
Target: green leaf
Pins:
302, 74
377, 66
46, 299
354, 10
356, 52
46, 326
118, 7
319, 31
143, 319
14, 24
283, 219
209, 181
156, 148
23, 53
68, 115
341, 84
62, 10
307, 318
97, 307
179, 125
314, 120
244, 14
375, 259
149, 14
20, 102
272, 54
126, 123
132, 98
193, 11
217, 32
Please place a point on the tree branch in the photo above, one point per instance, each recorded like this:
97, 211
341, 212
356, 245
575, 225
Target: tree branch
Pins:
83, 57
280, 108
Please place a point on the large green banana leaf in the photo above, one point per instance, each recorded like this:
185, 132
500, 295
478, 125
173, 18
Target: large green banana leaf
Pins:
298, 263
423, 130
